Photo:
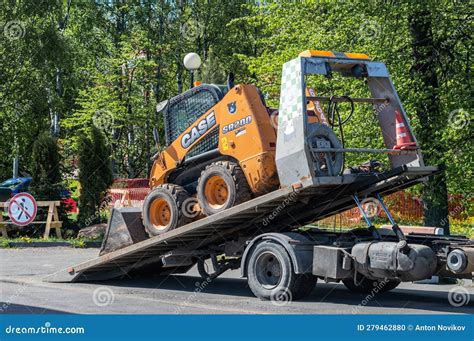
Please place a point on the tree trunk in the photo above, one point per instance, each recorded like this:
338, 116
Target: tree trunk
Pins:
435, 194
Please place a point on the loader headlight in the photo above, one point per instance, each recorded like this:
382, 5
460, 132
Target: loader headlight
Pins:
457, 261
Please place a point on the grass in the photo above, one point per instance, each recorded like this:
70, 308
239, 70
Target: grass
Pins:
74, 242
463, 227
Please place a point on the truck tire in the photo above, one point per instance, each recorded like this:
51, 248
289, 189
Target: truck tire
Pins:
222, 185
271, 275
163, 209
367, 285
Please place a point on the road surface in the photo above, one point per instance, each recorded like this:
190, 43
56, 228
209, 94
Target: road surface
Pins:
23, 291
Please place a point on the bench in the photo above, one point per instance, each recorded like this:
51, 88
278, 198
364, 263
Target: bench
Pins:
52, 220
437, 231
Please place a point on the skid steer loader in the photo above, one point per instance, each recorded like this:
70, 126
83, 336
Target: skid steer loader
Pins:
224, 145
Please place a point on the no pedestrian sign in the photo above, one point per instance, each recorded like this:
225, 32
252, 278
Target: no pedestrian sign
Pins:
22, 209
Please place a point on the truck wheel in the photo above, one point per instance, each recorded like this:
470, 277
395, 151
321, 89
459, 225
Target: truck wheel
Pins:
271, 275
222, 185
162, 209
366, 285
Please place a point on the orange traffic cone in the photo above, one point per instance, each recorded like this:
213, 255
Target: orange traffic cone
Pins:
403, 134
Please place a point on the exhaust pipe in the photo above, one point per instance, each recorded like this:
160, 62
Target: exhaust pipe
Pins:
461, 260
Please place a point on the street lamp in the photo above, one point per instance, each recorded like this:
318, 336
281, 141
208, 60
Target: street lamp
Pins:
192, 62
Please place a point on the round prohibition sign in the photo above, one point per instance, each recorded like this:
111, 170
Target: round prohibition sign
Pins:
22, 209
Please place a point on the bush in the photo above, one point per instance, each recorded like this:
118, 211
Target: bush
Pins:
95, 176
45, 169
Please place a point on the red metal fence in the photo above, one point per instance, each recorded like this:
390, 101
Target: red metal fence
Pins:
128, 192
403, 206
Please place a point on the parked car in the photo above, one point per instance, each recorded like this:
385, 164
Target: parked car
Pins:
13, 186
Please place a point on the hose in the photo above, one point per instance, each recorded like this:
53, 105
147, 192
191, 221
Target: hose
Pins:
333, 111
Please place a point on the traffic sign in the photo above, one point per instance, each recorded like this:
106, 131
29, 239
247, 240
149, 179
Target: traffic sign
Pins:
22, 209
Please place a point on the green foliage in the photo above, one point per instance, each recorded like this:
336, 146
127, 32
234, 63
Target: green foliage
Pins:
109, 63
95, 175
46, 169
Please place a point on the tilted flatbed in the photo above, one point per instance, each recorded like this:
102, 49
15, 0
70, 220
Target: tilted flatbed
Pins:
296, 207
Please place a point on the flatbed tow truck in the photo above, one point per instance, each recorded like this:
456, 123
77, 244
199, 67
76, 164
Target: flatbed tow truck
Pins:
265, 236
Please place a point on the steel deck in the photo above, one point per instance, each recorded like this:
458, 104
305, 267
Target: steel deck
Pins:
288, 208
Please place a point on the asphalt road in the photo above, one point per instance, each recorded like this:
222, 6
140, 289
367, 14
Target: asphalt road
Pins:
23, 291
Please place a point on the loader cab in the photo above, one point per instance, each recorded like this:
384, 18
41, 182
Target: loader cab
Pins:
183, 110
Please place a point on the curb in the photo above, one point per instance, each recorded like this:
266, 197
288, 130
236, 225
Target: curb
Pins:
87, 245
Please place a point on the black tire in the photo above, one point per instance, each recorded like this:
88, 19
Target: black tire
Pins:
237, 188
318, 131
174, 196
280, 285
366, 285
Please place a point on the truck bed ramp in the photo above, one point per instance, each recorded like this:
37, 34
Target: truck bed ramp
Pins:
282, 210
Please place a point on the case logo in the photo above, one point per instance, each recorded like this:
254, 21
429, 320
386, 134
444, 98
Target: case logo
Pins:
198, 130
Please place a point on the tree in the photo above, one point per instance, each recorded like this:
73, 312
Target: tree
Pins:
428, 110
117, 60
45, 169
95, 175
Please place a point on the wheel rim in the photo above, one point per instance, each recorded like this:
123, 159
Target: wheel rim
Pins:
216, 192
268, 270
160, 214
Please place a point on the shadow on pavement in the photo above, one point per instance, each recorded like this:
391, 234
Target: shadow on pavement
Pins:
27, 309
432, 301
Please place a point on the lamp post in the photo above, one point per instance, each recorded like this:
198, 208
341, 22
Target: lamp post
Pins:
192, 62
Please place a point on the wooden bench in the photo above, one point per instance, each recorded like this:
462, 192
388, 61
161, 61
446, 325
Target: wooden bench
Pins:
437, 231
52, 220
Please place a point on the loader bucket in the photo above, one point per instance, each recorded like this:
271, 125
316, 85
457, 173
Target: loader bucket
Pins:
125, 228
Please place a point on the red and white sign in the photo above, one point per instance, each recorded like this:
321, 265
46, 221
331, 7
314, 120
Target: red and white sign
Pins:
22, 209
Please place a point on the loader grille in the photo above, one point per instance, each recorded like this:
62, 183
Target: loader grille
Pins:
185, 109
208, 143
